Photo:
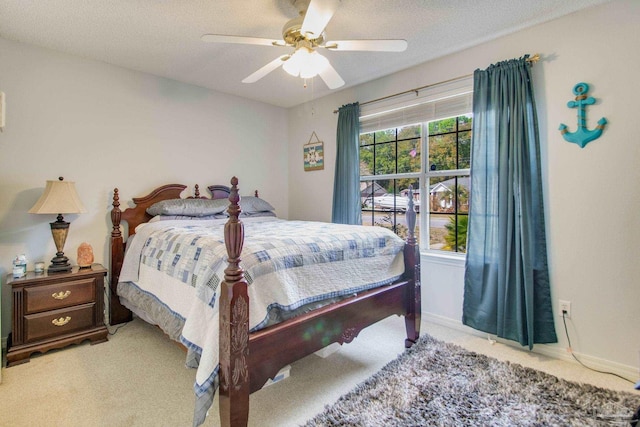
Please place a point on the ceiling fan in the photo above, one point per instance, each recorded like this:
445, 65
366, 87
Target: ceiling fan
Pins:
305, 34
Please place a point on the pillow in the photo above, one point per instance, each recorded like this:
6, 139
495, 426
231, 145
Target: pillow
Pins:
251, 204
187, 218
188, 207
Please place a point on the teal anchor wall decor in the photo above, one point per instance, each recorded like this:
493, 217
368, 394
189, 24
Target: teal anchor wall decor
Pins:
582, 136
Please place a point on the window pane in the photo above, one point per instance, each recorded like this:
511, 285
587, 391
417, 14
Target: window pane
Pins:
384, 204
464, 150
464, 122
366, 160
463, 194
366, 139
409, 156
448, 210
442, 126
407, 132
442, 152
385, 135
442, 196
437, 230
385, 158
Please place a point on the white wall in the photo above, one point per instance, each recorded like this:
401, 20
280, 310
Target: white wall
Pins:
591, 194
103, 127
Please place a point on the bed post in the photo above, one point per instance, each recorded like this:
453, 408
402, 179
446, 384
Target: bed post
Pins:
412, 273
117, 312
234, 324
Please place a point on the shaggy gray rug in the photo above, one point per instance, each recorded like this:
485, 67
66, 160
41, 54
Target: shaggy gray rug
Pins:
440, 384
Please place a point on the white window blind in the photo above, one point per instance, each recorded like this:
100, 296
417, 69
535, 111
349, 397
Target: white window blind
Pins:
433, 103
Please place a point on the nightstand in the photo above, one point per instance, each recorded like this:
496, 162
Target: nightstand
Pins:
55, 310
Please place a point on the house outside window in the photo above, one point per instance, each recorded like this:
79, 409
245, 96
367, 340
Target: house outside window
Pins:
425, 144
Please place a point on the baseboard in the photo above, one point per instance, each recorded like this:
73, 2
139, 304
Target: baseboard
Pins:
550, 350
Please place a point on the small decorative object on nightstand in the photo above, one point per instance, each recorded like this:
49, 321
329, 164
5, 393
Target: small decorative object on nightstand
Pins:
55, 310
85, 255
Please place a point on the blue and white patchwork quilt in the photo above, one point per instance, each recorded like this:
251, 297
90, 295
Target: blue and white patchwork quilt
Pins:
287, 264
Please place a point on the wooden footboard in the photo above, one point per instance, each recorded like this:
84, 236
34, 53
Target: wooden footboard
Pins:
247, 361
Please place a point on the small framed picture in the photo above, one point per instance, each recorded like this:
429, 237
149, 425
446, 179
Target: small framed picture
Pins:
313, 155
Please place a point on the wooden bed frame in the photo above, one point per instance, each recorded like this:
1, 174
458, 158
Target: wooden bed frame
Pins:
248, 360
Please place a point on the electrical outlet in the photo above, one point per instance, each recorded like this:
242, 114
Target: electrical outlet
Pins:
565, 307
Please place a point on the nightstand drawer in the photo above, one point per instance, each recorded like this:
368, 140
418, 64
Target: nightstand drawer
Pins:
59, 322
59, 295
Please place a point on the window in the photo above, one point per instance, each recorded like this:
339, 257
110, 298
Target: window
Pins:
394, 137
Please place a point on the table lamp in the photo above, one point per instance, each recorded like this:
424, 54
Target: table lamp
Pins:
60, 197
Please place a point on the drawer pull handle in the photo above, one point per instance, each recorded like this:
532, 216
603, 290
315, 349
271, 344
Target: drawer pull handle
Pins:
61, 321
61, 295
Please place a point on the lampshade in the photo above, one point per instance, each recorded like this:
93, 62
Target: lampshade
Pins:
305, 63
59, 197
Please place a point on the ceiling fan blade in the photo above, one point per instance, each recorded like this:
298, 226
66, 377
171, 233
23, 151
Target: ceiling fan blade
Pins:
221, 38
266, 69
331, 77
368, 45
317, 17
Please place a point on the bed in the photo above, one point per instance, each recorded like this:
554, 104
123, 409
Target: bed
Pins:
249, 353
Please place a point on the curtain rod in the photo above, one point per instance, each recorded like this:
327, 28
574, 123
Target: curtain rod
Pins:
535, 58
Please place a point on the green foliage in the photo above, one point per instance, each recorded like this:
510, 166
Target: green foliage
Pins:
445, 152
456, 238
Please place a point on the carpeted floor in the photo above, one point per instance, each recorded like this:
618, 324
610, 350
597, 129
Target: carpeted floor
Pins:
441, 384
138, 379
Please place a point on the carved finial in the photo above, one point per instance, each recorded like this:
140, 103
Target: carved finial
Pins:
116, 198
234, 235
197, 192
234, 198
116, 214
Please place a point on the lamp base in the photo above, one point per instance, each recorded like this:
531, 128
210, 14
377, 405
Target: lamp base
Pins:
59, 230
59, 264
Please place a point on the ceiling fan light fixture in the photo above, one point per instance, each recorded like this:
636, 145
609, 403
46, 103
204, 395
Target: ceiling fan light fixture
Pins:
305, 63
305, 34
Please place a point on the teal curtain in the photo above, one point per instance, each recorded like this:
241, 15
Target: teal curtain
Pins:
506, 284
346, 184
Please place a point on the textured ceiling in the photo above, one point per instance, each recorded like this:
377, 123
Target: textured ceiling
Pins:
162, 37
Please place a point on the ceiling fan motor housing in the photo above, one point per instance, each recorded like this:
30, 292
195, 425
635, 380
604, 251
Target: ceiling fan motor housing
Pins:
292, 36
